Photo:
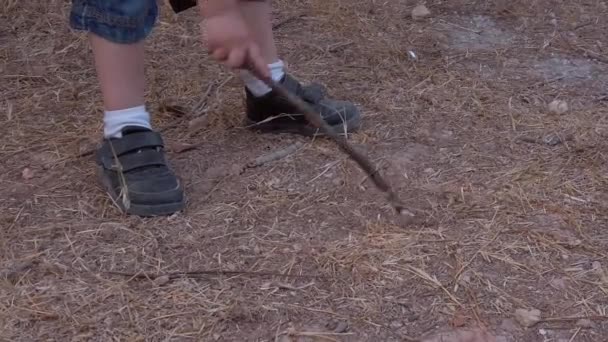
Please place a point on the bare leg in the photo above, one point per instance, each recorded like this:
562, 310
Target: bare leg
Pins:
258, 15
120, 70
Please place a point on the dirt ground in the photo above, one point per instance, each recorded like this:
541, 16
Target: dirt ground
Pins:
511, 195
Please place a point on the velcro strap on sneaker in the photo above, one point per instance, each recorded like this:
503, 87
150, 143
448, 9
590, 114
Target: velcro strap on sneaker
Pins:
313, 93
133, 142
135, 160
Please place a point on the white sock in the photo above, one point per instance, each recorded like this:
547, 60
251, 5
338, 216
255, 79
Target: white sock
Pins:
115, 120
259, 88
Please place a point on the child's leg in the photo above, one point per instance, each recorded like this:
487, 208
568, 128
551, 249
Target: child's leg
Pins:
343, 116
132, 163
120, 70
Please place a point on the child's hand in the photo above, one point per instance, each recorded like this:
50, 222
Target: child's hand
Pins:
229, 43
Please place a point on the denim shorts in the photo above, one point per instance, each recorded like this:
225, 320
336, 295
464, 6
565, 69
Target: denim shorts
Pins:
119, 21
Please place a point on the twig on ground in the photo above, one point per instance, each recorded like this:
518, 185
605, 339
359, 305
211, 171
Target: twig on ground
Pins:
575, 333
200, 106
202, 274
288, 20
274, 156
178, 110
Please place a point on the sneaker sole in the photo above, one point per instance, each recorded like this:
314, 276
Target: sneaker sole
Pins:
143, 210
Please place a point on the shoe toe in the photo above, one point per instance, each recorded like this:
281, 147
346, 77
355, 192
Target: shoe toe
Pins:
155, 189
339, 113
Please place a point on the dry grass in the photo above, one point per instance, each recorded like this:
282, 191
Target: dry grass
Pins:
304, 248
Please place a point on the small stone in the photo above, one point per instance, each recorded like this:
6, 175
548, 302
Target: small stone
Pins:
558, 283
558, 107
396, 324
552, 139
596, 266
586, 323
554, 22
27, 173
420, 12
527, 318
162, 280
412, 55
341, 327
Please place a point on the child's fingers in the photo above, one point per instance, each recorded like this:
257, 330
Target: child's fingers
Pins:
220, 54
255, 59
236, 59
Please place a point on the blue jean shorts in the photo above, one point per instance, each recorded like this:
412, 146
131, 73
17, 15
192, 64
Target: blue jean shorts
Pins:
119, 21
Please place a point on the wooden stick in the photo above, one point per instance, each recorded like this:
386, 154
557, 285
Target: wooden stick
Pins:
365, 164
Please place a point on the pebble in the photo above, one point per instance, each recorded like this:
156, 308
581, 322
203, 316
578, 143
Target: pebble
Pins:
27, 173
341, 327
558, 283
558, 106
527, 318
420, 12
396, 324
162, 280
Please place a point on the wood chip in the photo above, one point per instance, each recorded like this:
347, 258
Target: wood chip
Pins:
527, 318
